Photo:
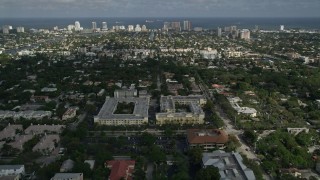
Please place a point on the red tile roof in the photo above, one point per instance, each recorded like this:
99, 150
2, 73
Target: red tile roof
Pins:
121, 169
203, 136
217, 86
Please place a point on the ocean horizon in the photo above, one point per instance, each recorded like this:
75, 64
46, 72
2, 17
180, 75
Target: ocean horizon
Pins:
266, 23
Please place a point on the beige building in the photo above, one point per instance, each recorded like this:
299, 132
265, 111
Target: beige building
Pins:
181, 110
69, 114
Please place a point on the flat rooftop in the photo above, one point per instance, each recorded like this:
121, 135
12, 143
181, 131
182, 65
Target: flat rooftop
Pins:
10, 131
40, 129
140, 108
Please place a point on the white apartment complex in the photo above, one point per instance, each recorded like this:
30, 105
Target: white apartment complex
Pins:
108, 117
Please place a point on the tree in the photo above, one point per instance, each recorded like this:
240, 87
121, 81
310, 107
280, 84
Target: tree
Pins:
208, 173
195, 155
304, 139
168, 132
232, 144
147, 139
209, 106
217, 121
81, 167
156, 154
139, 173
101, 173
250, 136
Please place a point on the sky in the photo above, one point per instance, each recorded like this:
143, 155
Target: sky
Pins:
159, 8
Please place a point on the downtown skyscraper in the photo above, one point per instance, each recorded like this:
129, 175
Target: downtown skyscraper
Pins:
187, 25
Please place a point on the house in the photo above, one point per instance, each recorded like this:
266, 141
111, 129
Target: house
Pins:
296, 131
207, 139
10, 177
69, 114
292, 171
121, 169
8, 170
39, 98
234, 102
68, 176
230, 165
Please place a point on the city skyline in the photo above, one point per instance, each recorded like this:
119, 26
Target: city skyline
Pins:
153, 8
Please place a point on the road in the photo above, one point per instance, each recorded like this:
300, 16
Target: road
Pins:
229, 127
158, 83
134, 132
149, 171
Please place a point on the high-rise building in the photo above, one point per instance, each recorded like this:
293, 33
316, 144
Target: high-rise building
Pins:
219, 32
20, 29
176, 26
130, 28
137, 28
94, 25
166, 26
104, 25
186, 25
256, 28
245, 34
71, 27
5, 29
233, 28
144, 28
281, 27
77, 26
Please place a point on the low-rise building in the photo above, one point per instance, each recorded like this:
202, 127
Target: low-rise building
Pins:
230, 165
234, 102
121, 169
172, 114
296, 131
41, 129
20, 140
7, 170
69, 114
123, 93
10, 177
139, 116
207, 139
48, 89
39, 98
10, 131
47, 144
25, 114
209, 53
68, 176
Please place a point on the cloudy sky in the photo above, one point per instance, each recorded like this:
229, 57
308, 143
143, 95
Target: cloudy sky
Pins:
159, 8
